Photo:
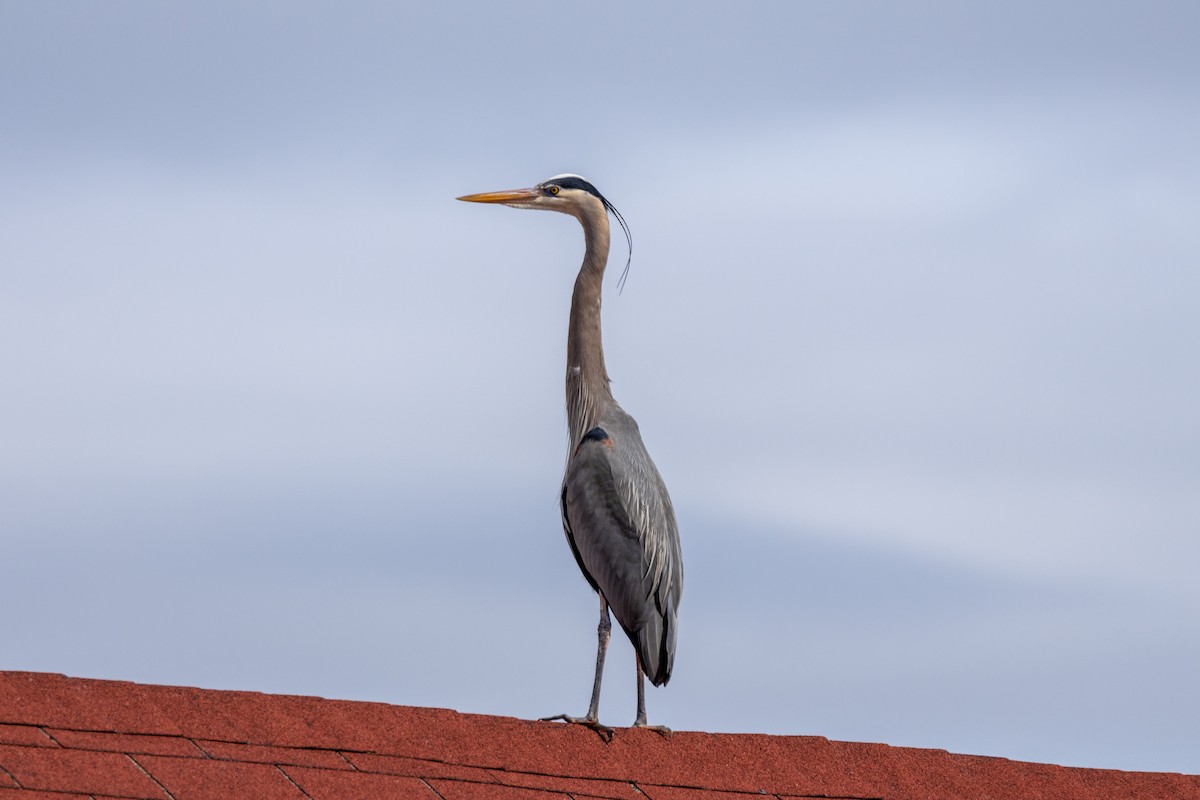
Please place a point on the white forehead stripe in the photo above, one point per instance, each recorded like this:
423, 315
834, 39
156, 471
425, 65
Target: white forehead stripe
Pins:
566, 175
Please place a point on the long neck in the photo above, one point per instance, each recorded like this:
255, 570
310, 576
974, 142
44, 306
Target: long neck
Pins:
588, 395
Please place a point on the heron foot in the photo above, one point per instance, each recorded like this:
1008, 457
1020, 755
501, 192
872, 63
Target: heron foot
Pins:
660, 729
606, 733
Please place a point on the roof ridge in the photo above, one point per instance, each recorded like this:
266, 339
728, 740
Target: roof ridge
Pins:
120, 738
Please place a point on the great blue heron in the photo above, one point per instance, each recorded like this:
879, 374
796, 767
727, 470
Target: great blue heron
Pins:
615, 509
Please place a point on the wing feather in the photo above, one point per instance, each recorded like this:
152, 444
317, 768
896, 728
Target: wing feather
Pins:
621, 527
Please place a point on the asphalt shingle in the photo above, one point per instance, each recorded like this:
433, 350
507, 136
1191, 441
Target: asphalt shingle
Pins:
75, 738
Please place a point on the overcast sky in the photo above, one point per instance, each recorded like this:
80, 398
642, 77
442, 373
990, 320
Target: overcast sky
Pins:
911, 330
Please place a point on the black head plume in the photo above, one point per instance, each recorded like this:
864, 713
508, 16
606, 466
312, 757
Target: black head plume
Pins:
577, 182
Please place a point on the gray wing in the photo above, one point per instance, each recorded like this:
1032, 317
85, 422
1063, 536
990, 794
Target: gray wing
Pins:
621, 527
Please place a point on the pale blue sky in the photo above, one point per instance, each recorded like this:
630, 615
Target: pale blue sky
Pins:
911, 331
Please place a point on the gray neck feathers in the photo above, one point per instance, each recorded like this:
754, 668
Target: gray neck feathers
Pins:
588, 395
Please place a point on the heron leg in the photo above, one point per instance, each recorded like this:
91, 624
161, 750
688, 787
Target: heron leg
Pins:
592, 720
640, 722
603, 630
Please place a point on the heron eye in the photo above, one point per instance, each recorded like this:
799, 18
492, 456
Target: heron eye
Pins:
552, 189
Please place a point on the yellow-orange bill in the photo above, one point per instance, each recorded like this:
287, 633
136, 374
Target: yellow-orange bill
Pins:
508, 196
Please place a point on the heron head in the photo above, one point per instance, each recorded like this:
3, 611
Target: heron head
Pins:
569, 194
566, 193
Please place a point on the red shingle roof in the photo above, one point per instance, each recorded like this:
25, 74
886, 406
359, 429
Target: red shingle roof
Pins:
72, 738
